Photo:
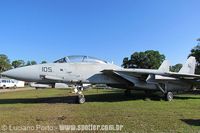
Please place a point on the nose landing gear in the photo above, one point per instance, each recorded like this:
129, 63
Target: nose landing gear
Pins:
80, 97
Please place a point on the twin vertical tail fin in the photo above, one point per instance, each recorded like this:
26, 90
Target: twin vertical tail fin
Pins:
189, 66
165, 66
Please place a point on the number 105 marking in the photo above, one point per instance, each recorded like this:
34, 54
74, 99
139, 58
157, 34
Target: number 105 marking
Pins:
46, 69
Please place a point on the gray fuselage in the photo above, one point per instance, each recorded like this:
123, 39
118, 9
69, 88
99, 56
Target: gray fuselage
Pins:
89, 72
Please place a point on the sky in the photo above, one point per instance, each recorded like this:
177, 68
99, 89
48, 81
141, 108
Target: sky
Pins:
108, 29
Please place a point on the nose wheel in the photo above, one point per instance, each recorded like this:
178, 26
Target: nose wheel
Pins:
80, 97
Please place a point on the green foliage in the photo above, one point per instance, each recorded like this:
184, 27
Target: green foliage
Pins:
28, 63
18, 63
4, 63
43, 62
31, 63
196, 53
103, 107
149, 59
125, 62
176, 68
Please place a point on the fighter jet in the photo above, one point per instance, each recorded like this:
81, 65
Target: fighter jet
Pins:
79, 70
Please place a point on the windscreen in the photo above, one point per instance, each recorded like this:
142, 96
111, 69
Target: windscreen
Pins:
73, 59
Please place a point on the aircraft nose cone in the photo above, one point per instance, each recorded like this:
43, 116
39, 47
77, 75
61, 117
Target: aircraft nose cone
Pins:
28, 73
13, 73
7, 73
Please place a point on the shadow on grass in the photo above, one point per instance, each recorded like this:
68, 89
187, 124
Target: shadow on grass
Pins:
192, 122
116, 96
185, 97
50, 100
110, 97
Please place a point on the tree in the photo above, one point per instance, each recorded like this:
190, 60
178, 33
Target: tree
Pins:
31, 63
196, 53
176, 68
43, 62
149, 59
125, 62
28, 63
4, 63
18, 63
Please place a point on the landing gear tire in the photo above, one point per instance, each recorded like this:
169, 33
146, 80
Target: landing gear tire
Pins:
127, 92
169, 96
81, 99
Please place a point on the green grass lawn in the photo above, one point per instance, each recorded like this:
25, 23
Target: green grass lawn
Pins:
103, 107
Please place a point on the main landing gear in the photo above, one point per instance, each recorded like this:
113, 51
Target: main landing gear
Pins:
168, 95
80, 97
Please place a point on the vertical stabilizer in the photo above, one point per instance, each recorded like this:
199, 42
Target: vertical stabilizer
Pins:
189, 66
165, 66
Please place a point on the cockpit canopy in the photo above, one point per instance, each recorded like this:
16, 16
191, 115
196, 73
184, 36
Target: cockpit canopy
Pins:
78, 58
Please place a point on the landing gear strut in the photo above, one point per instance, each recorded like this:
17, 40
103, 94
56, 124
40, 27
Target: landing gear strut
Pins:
167, 94
80, 97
